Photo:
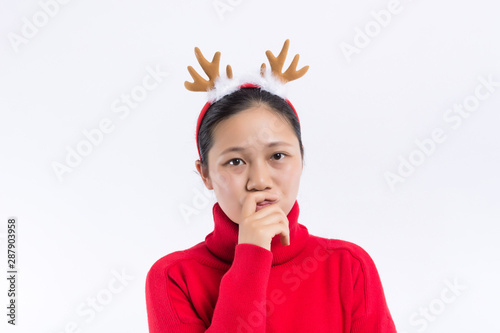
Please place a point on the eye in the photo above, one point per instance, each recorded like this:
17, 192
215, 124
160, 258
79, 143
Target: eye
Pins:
234, 159
283, 154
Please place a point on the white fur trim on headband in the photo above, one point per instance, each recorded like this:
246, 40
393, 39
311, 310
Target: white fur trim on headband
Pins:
224, 86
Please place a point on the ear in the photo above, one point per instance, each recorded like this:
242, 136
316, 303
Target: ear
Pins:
204, 174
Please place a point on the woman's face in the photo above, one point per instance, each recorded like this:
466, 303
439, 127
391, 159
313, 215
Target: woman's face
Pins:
233, 174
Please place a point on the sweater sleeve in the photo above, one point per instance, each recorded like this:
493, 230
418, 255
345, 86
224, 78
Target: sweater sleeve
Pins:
370, 313
242, 290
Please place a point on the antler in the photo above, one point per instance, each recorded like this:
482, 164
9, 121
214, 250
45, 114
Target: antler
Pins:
277, 65
210, 68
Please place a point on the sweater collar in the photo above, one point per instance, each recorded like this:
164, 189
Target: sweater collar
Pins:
223, 239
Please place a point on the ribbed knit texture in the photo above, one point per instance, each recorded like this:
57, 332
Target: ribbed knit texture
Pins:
313, 285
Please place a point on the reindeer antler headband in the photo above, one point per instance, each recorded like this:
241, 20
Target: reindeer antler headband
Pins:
218, 87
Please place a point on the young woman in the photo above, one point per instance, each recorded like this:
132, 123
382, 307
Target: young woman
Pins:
260, 270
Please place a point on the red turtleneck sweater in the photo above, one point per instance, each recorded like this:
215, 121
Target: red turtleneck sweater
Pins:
312, 285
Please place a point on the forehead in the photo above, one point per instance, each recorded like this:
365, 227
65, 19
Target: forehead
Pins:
252, 128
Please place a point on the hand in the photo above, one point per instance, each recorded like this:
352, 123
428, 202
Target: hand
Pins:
259, 227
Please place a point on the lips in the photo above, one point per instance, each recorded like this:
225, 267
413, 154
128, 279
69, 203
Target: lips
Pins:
265, 203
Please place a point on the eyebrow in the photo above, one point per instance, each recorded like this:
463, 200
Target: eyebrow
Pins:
238, 148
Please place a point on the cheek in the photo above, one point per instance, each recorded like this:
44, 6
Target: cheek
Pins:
290, 175
226, 182
220, 179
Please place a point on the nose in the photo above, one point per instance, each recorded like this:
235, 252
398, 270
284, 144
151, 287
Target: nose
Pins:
259, 176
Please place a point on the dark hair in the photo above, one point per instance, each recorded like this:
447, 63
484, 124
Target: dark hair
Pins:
236, 102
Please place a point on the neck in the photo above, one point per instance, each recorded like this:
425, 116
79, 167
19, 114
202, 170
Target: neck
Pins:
223, 239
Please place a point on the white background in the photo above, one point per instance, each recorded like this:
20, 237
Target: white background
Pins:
118, 211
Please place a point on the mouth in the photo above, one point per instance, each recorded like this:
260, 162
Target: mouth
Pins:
266, 203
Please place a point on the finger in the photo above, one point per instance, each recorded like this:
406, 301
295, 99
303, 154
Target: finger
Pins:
279, 218
285, 241
279, 229
285, 237
250, 203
